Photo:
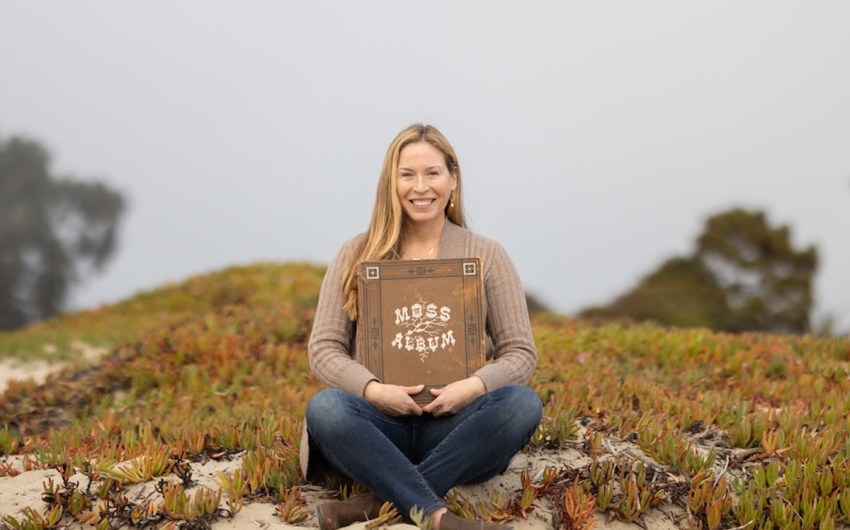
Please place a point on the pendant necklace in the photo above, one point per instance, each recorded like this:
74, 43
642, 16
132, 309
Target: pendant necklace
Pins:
429, 253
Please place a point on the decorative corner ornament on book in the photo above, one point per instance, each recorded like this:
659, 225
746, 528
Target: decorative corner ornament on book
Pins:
420, 321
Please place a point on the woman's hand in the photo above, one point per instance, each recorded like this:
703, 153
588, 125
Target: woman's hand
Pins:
453, 397
393, 400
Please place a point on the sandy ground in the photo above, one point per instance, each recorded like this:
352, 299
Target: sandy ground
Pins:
25, 489
38, 371
15, 371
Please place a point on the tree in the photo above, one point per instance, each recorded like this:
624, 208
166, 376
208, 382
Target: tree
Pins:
54, 232
535, 305
743, 276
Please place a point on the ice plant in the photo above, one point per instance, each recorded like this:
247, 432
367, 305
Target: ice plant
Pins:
217, 369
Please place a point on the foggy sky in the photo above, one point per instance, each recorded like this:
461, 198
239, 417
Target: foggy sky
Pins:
593, 137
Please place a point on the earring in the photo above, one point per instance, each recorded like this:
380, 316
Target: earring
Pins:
452, 200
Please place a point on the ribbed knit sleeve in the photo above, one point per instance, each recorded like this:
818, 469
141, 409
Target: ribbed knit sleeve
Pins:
514, 352
332, 342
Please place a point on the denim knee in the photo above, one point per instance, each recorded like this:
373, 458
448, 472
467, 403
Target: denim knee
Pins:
328, 411
523, 407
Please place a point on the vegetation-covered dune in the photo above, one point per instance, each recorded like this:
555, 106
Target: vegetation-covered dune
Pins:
710, 430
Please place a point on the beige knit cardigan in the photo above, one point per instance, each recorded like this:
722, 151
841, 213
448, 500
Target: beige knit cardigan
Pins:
333, 348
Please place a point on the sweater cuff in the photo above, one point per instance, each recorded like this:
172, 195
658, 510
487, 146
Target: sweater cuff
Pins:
493, 376
356, 379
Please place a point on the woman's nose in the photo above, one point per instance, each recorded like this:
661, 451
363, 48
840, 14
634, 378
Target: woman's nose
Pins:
421, 183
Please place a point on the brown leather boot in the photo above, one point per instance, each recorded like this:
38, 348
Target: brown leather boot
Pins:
450, 521
336, 514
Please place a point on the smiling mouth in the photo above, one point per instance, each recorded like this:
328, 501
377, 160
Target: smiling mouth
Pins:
422, 202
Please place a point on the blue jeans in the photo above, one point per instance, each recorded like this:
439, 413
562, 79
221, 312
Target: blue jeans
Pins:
415, 460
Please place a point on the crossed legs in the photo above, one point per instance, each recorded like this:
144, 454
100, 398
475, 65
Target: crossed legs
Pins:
414, 461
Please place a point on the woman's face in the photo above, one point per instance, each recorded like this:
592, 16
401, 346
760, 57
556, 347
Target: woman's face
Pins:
424, 182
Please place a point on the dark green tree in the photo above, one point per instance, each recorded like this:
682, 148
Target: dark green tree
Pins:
54, 232
535, 305
744, 275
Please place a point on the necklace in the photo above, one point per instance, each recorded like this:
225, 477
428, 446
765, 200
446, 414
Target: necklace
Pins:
429, 253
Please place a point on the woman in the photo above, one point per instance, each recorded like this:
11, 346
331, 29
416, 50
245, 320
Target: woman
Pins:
375, 433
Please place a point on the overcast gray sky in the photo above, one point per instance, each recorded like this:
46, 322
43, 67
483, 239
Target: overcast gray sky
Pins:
594, 137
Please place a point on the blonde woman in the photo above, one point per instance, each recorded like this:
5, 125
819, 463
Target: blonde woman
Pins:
375, 433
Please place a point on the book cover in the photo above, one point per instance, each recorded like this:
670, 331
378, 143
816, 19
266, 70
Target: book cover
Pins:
422, 321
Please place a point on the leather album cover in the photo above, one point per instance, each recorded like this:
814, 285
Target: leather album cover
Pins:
421, 321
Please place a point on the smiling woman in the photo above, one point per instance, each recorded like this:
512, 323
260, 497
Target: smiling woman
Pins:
393, 234
376, 433
425, 188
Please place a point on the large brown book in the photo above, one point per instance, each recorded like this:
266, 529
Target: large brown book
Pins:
421, 321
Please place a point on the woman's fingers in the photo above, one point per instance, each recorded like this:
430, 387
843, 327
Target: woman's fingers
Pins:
453, 397
394, 400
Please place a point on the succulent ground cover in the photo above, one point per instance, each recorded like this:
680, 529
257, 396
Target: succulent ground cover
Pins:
710, 430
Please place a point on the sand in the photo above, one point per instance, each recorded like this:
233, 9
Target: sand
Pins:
36, 371
25, 489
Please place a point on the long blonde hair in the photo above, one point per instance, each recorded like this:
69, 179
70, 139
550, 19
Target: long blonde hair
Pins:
387, 226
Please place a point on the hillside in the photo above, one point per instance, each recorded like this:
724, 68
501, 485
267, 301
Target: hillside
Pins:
192, 415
